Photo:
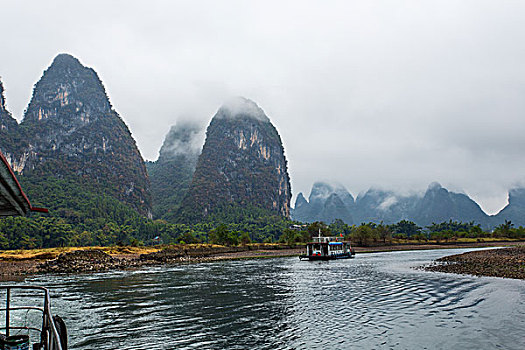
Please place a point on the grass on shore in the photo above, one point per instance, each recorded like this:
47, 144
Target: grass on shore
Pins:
51, 253
456, 240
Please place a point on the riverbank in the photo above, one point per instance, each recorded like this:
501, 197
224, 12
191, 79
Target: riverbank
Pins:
506, 263
96, 259
18, 263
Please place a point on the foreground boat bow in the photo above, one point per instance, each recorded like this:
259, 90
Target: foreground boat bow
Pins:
50, 335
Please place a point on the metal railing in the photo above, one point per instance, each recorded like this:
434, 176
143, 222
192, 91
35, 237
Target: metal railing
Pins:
49, 336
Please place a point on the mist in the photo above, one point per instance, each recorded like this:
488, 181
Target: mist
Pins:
236, 107
185, 138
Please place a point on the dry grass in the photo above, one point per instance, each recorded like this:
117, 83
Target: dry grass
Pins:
458, 240
51, 253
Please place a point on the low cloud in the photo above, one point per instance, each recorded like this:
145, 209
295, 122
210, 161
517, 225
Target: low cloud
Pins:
387, 203
184, 138
237, 107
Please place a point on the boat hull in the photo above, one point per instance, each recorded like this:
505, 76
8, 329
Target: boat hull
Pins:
326, 257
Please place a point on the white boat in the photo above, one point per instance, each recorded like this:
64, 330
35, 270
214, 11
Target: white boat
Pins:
327, 248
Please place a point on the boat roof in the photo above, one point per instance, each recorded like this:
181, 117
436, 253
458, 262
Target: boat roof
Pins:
338, 242
13, 200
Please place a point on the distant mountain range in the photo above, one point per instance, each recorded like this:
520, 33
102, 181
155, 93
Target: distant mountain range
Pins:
327, 203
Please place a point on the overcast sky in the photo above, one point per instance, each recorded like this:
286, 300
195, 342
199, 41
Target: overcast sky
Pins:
390, 94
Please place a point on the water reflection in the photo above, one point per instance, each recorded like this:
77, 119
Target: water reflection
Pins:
373, 301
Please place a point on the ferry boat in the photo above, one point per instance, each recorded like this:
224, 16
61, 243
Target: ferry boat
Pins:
327, 248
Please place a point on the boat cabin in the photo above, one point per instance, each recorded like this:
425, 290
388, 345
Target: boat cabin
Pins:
326, 248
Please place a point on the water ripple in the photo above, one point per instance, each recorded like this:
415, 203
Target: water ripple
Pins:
374, 301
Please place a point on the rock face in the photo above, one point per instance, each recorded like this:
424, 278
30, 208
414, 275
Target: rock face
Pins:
71, 132
377, 205
301, 210
242, 166
319, 195
325, 203
170, 175
7, 122
335, 208
514, 211
9, 129
439, 205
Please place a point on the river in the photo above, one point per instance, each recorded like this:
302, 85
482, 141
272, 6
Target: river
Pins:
375, 301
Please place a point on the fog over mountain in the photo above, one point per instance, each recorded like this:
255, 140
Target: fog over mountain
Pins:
170, 175
390, 94
435, 205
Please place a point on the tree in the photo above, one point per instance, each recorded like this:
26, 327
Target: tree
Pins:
4, 242
245, 238
188, 237
420, 237
407, 227
219, 235
503, 230
222, 235
318, 227
290, 237
364, 235
338, 227
384, 232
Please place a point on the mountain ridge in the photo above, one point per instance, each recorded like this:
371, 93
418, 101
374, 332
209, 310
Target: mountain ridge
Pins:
436, 205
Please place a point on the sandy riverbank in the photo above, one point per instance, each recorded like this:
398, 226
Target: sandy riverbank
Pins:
16, 264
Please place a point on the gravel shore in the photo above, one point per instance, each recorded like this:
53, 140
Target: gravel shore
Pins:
506, 262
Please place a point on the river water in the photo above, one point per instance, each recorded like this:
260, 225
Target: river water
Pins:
375, 301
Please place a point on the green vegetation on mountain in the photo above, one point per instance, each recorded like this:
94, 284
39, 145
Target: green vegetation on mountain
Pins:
242, 167
70, 132
75, 156
170, 175
43, 231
